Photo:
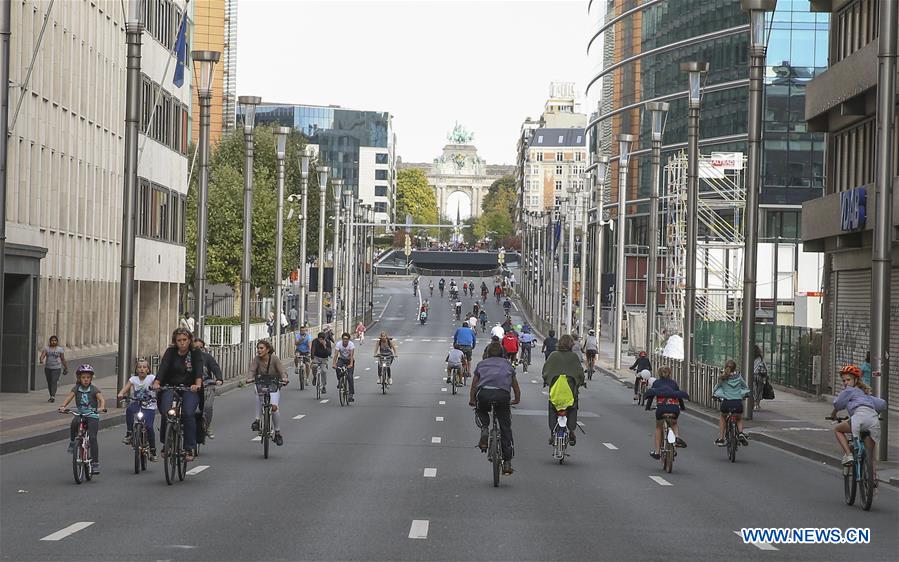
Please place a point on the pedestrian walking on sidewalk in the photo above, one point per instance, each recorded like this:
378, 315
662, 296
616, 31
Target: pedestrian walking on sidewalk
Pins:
53, 358
759, 377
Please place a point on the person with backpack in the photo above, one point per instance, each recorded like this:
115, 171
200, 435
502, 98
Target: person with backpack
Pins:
564, 362
759, 378
510, 346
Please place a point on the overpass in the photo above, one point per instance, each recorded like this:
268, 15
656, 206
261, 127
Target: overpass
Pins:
437, 262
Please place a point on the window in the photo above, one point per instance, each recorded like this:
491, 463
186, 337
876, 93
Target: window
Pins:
535, 169
380, 207
559, 156
160, 213
561, 139
559, 170
578, 156
381, 158
162, 117
380, 191
381, 175
539, 157
558, 185
539, 139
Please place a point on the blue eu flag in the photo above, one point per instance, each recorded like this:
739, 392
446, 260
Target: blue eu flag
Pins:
181, 53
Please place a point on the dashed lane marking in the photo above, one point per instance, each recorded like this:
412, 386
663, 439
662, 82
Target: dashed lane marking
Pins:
610, 446
436, 440
430, 473
660, 481
439, 418
355, 377
442, 403
299, 417
74, 528
443, 390
197, 470
257, 438
368, 368
325, 401
759, 545
426, 339
419, 529
580, 423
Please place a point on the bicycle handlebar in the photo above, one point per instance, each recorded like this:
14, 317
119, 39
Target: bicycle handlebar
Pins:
77, 413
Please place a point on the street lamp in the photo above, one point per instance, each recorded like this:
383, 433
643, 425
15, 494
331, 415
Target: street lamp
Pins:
335, 253
281, 134
585, 202
602, 168
561, 212
134, 26
695, 71
204, 66
348, 258
249, 104
571, 217
625, 142
304, 226
322, 217
757, 48
658, 111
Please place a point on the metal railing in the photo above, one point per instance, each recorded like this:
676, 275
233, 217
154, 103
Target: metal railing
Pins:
700, 382
229, 356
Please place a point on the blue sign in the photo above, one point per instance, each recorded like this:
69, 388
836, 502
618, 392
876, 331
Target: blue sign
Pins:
853, 209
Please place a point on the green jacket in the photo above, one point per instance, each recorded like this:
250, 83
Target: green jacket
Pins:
731, 388
563, 363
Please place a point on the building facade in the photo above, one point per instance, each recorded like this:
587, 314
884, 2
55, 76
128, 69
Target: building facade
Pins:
841, 102
554, 162
215, 29
65, 177
358, 146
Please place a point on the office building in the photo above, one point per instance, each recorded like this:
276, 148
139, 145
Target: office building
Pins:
215, 29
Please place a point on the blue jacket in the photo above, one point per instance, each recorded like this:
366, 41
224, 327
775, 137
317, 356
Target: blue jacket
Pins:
732, 388
465, 336
853, 397
665, 388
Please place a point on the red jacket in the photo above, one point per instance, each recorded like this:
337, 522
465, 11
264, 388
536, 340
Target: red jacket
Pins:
510, 342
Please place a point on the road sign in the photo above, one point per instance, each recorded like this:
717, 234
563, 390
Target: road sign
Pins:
407, 249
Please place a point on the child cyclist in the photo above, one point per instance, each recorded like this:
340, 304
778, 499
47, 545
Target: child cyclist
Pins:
89, 402
669, 400
144, 400
731, 390
862, 407
456, 359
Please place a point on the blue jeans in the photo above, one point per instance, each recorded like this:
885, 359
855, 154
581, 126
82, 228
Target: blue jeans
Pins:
149, 417
189, 402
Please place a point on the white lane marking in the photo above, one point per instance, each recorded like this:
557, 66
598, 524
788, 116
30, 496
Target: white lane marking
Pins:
516, 306
63, 533
368, 368
425, 340
257, 438
439, 418
442, 402
610, 446
197, 470
436, 439
443, 390
534, 381
759, 545
299, 417
661, 481
580, 423
355, 377
325, 401
419, 529
430, 473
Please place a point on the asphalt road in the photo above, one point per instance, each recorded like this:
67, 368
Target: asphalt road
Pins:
358, 483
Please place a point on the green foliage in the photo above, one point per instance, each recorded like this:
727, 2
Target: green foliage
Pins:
498, 223
502, 196
415, 197
498, 217
230, 320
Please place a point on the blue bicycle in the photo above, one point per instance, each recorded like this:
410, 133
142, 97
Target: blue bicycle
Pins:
860, 474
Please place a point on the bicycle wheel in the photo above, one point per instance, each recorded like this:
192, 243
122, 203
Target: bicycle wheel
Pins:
144, 448
77, 465
641, 396
266, 429
86, 457
182, 457
731, 438
318, 383
454, 379
302, 375
136, 431
497, 456
170, 454
867, 482
384, 382
341, 391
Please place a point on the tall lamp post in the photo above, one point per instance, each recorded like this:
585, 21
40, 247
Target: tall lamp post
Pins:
695, 71
335, 254
571, 217
249, 104
658, 111
204, 66
322, 221
134, 26
625, 142
304, 227
757, 48
562, 211
602, 168
582, 278
348, 258
281, 134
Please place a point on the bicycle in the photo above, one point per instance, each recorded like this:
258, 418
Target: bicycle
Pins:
140, 440
669, 440
318, 376
343, 389
526, 356
301, 359
455, 376
560, 436
731, 435
81, 454
861, 473
641, 391
441, 292
384, 362
494, 448
431, 291
591, 368
264, 387
174, 453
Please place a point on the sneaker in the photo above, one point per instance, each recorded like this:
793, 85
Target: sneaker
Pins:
448, 380
127, 439
71, 448
572, 440
848, 459
655, 455
152, 455
482, 442
95, 468
254, 426
389, 380
744, 439
551, 439
278, 439
678, 442
351, 399
210, 434
324, 390
720, 442
51, 399
507, 468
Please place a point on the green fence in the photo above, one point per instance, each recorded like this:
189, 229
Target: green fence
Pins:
788, 350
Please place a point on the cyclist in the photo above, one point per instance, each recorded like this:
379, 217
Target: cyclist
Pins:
415, 286
386, 346
212, 376
507, 306
89, 402
510, 346
138, 386
320, 351
431, 287
564, 361
456, 359
346, 357
360, 331
458, 308
497, 332
731, 390
475, 309
482, 317
641, 364
549, 344
263, 369
493, 383
473, 321
862, 407
181, 365
441, 284
423, 315
452, 285
484, 293
527, 340
590, 347
301, 355
466, 338
465, 288
669, 400
498, 293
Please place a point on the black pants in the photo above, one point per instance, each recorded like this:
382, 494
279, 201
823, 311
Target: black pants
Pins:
572, 415
503, 413
341, 362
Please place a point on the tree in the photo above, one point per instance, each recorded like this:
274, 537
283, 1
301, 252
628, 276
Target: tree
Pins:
415, 197
502, 196
497, 224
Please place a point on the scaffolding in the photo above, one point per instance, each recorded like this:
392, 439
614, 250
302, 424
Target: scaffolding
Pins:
719, 251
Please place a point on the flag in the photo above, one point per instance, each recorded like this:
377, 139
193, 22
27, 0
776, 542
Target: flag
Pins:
181, 53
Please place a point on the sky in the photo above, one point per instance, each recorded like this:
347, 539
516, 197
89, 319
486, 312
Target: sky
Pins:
430, 63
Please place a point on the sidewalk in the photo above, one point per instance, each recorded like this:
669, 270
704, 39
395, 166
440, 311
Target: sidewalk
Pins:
792, 421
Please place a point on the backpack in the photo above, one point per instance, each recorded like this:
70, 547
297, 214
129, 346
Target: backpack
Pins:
560, 394
510, 342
